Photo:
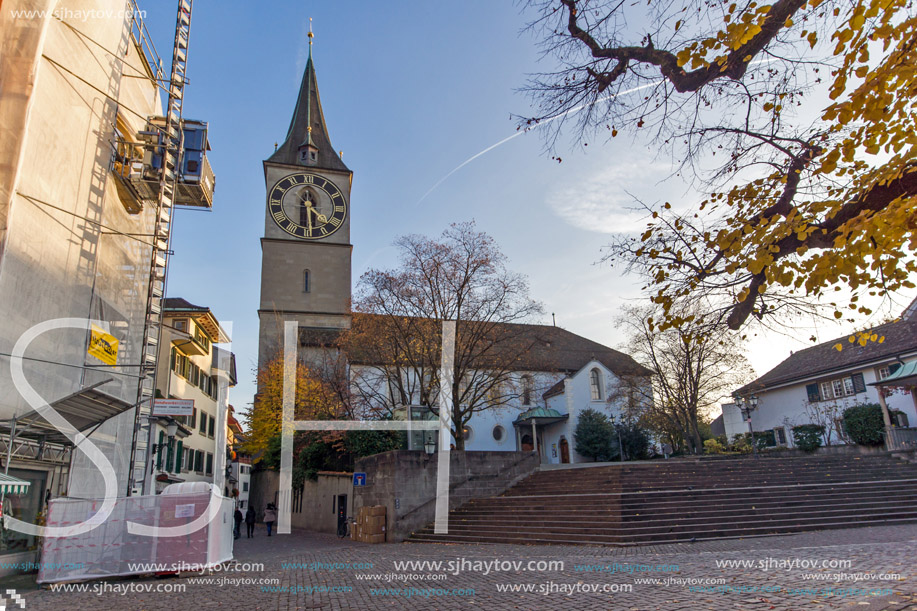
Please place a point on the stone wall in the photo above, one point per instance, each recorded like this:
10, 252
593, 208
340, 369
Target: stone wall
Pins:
405, 482
316, 509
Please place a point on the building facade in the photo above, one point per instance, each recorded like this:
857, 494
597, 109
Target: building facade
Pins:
191, 368
816, 385
70, 245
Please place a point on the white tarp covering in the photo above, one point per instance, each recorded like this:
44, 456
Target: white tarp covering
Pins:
111, 550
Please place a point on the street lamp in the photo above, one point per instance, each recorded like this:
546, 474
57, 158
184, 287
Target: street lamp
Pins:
747, 405
429, 446
171, 432
618, 431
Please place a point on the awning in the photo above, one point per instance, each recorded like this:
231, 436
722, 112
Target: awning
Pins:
83, 409
541, 415
13, 485
906, 375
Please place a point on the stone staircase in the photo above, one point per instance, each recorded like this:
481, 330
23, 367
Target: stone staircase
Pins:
687, 500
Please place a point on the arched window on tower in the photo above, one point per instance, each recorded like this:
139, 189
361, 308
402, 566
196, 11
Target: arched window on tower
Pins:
595, 384
306, 281
306, 200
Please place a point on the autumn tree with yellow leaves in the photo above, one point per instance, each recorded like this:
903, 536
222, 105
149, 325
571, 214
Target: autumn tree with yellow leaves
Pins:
795, 118
319, 396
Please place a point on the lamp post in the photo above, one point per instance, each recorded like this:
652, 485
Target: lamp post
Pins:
618, 431
747, 405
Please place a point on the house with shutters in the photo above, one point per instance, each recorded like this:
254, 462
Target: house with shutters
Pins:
817, 384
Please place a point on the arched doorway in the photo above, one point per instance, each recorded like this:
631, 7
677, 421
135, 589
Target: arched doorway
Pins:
564, 450
527, 444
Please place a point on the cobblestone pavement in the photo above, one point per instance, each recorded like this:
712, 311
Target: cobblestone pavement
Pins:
350, 575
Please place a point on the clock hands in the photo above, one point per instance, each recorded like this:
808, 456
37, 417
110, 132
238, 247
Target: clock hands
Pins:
321, 218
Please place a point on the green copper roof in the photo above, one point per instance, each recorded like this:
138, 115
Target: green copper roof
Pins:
540, 412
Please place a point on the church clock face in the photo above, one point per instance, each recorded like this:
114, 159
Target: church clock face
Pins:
307, 206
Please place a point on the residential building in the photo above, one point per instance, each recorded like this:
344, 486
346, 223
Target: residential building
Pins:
71, 246
239, 470
191, 367
817, 384
306, 277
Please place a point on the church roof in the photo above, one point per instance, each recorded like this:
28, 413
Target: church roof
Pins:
549, 348
308, 114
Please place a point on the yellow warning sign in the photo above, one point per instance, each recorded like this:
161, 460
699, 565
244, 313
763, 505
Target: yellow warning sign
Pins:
103, 346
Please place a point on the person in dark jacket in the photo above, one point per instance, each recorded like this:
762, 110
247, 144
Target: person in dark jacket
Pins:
250, 522
237, 520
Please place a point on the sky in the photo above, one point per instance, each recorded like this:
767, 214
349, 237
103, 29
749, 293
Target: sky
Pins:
410, 91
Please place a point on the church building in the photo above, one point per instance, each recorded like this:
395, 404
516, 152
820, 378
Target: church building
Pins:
306, 276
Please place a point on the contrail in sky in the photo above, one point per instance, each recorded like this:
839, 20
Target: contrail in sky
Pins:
525, 131
545, 122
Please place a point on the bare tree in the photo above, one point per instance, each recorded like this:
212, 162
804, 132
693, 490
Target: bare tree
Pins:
693, 366
395, 343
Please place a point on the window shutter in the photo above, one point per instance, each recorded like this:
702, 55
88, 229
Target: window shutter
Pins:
812, 391
170, 455
859, 384
179, 454
162, 437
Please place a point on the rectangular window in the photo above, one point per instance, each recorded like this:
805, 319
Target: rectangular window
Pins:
209, 464
305, 282
203, 428
826, 391
211, 427
244, 486
199, 461
193, 422
781, 435
838, 387
848, 386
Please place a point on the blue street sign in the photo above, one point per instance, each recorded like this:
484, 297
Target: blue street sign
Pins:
359, 479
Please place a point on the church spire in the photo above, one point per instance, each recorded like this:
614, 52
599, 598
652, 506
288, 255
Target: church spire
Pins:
307, 142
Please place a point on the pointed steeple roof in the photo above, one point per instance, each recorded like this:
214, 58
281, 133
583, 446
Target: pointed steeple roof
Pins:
308, 131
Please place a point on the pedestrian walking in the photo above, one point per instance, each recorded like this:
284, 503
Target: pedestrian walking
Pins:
250, 522
270, 516
237, 520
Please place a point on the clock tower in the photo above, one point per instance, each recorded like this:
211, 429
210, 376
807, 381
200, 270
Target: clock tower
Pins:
306, 250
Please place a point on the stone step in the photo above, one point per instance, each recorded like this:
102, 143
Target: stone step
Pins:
626, 542
638, 514
632, 523
678, 501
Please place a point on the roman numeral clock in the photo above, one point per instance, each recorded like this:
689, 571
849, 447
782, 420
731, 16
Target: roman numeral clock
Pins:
307, 206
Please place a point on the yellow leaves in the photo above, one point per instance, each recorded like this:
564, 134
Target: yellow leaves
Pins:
812, 38
678, 25
857, 21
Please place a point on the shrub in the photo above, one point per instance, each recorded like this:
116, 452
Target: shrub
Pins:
864, 424
712, 446
594, 436
635, 441
807, 437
